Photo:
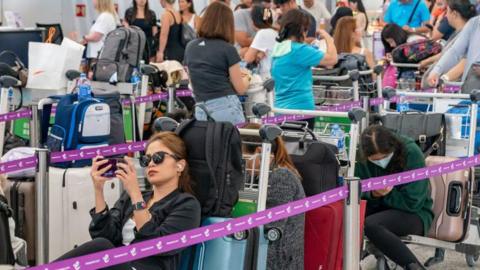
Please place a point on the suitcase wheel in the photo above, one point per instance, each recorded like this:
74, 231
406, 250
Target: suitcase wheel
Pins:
471, 259
273, 234
242, 235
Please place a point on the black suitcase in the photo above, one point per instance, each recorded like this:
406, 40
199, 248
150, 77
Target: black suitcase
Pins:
21, 195
316, 161
6, 251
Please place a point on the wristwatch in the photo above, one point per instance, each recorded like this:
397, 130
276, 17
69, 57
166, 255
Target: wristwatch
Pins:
139, 206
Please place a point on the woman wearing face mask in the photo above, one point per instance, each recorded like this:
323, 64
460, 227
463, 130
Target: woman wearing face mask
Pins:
167, 209
397, 211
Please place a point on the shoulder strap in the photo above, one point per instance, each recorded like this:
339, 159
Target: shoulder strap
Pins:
173, 15
413, 12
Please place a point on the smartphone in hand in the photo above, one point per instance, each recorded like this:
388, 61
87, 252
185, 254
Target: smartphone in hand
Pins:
111, 172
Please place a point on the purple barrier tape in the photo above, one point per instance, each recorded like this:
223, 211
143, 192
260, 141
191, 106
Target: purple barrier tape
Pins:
195, 236
344, 107
100, 151
192, 237
15, 115
452, 89
156, 97
18, 165
419, 174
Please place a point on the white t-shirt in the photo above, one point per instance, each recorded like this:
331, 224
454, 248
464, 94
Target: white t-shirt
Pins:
318, 11
128, 232
105, 23
264, 41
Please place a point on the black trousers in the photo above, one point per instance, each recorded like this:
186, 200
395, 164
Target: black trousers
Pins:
95, 245
385, 226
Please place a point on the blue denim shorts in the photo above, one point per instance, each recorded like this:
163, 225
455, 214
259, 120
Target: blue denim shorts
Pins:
224, 109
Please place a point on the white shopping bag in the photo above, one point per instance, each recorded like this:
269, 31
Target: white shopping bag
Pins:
49, 62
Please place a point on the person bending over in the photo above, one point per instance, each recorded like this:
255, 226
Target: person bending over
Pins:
397, 211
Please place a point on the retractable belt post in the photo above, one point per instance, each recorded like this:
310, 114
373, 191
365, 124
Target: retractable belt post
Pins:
351, 213
42, 199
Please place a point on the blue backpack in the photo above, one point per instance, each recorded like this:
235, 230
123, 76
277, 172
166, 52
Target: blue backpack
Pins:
78, 125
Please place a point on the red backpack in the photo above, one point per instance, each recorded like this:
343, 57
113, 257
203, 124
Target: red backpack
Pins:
416, 51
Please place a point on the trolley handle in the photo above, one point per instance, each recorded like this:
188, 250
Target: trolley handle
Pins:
148, 70
405, 65
7, 81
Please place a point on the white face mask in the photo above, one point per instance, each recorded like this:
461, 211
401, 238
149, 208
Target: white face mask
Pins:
383, 163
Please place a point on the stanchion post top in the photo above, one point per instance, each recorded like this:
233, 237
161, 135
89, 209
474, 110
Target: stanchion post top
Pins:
72, 74
475, 95
356, 115
354, 75
378, 69
148, 70
268, 132
388, 93
260, 109
269, 85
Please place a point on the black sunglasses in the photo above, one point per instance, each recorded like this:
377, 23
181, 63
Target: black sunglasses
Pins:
157, 158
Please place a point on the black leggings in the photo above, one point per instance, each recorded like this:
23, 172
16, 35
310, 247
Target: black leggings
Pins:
385, 226
95, 245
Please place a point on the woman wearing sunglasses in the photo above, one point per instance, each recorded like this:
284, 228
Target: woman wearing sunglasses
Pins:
167, 209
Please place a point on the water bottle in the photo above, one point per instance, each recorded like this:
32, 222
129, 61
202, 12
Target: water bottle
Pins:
84, 88
402, 104
10, 99
338, 134
135, 79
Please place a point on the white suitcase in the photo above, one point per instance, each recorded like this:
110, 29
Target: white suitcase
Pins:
71, 198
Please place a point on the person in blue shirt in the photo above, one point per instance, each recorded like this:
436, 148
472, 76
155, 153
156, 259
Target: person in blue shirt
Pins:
411, 15
293, 60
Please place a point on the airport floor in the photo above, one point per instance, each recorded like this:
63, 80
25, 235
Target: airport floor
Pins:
453, 260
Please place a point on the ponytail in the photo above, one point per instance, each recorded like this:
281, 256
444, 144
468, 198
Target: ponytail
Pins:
293, 24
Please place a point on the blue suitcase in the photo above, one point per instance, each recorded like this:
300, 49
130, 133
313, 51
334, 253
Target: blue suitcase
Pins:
246, 250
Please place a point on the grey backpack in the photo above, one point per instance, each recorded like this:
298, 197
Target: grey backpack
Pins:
121, 53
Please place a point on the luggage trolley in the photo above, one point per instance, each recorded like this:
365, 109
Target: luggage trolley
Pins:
462, 137
331, 90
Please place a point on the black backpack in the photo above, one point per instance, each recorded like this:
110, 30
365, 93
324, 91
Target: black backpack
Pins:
316, 161
6, 252
216, 164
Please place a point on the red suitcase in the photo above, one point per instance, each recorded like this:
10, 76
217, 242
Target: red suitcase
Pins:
324, 236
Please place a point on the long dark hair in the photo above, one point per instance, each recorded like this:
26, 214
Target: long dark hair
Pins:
379, 140
293, 24
394, 32
262, 17
361, 8
463, 7
191, 8
173, 142
281, 156
146, 11
340, 13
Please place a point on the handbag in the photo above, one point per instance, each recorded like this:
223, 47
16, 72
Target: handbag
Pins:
472, 80
427, 129
187, 34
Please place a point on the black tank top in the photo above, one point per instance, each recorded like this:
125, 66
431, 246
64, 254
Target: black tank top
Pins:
174, 49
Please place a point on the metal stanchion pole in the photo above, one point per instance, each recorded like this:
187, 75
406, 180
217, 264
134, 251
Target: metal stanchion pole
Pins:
171, 99
366, 108
351, 226
34, 128
264, 171
42, 201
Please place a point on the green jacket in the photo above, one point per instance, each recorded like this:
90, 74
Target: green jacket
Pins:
413, 197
